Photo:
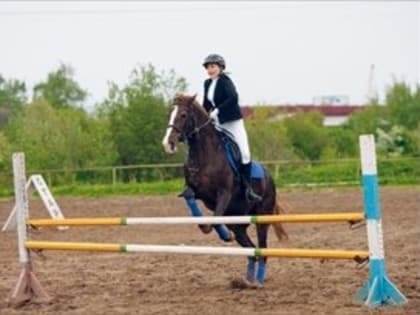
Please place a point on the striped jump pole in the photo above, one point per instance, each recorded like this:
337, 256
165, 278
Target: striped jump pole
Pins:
204, 250
378, 290
262, 219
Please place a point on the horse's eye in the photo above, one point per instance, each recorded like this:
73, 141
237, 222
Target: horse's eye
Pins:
183, 115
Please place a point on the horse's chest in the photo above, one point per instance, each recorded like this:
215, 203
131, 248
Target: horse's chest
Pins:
197, 177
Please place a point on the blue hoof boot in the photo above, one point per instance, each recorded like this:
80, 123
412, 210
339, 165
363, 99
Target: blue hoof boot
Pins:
261, 272
250, 270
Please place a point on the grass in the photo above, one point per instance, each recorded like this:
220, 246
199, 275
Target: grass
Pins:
140, 189
170, 187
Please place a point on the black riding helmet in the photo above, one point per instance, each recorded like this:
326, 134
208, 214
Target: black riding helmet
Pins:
215, 58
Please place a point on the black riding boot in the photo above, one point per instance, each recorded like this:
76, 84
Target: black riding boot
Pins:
246, 179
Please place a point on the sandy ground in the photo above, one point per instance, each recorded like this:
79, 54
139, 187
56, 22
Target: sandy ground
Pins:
95, 283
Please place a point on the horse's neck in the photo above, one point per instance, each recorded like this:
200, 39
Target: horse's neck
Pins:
205, 144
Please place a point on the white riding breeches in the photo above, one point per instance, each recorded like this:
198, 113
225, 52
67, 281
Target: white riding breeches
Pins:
237, 130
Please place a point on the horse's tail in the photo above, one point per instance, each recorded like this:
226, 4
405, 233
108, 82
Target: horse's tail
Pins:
280, 208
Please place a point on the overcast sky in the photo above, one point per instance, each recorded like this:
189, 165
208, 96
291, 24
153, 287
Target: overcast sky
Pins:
277, 52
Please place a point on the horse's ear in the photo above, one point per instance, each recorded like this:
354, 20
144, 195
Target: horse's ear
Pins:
177, 96
193, 97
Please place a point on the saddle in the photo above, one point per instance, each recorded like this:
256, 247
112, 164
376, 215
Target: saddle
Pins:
233, 155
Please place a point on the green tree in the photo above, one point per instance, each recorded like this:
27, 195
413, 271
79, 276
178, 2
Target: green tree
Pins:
60, 89
268, 137
343, 142
12, 98
36, 132
59, 139
368, 120
397, 141
4, 153
307, 134
137, 114
403, 105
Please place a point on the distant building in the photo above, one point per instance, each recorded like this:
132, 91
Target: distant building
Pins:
331, 100
334, 115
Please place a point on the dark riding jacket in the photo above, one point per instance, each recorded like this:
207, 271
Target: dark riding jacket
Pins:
225, 99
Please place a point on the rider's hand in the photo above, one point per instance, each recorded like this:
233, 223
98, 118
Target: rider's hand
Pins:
214, 113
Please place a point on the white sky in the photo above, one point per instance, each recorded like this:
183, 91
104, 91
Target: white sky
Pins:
277, 52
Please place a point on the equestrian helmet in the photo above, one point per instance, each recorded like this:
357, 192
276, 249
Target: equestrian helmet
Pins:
215, 58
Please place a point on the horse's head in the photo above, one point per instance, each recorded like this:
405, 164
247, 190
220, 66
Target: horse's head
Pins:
183, 123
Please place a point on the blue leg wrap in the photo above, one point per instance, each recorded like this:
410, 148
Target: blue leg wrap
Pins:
192, 205
221, 229
250, 269
223, 232
261, 270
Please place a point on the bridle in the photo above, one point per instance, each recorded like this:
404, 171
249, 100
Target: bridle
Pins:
195, 129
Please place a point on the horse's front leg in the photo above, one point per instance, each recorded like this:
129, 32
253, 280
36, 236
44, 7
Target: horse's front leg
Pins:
222, 203
189, 197
223, 199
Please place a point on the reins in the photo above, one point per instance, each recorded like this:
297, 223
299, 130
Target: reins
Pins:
196, 130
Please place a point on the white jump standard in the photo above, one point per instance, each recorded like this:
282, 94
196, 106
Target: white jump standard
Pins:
36, 182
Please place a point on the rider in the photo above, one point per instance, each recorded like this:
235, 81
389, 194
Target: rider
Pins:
221, 102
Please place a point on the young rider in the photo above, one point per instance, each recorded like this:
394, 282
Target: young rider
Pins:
221, 102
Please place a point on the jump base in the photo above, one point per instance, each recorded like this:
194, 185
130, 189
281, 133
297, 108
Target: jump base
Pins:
28, 289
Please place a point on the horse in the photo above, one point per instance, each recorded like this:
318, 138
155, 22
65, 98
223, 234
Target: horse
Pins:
211, 179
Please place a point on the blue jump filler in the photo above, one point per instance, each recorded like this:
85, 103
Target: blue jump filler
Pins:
378, 290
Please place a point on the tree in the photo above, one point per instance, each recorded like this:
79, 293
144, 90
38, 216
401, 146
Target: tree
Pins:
137, 114
4, 153
268, 138
59, 139
397, 141
12, 98
403, 105
60, 89
343, 142
368, 120
307, 134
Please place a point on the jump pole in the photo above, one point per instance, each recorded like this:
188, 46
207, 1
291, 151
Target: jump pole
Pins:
204, 250
262, 219
378, 290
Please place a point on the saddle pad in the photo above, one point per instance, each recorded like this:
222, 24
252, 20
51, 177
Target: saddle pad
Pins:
234, 157
257, 170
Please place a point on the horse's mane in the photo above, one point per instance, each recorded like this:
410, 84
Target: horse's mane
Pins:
184, 98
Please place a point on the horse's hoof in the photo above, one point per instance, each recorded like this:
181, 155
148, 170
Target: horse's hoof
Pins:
231, 237
206, 229
258, 285
245, 283
240, 284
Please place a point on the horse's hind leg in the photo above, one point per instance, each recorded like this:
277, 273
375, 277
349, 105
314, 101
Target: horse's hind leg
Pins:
262, 232
241, 236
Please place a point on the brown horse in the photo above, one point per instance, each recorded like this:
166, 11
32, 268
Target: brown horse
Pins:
210, 178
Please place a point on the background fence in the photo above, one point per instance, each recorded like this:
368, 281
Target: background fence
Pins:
285, 173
